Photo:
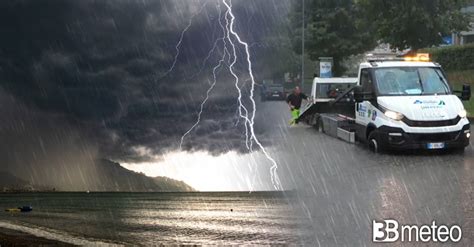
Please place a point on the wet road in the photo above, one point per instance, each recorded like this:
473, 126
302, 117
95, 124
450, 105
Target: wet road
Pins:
342, 187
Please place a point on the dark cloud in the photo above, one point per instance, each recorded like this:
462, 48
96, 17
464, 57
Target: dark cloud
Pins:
93, 71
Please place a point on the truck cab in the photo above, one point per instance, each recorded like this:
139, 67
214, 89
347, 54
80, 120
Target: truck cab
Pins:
395, 103
409, 104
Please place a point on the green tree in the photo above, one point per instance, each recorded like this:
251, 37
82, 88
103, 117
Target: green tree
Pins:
333, 28
276, 57
414, 24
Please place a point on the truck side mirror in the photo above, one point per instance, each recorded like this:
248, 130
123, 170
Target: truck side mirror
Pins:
466, 92
360, 95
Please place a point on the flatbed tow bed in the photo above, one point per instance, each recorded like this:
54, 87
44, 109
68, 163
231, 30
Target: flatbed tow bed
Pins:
330, 109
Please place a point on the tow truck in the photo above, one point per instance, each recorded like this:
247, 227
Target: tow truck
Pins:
395, 103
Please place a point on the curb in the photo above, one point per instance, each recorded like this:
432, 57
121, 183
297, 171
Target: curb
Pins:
471, 119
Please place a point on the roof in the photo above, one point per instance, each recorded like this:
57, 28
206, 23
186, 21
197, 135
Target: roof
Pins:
383, 64
468, 9
336, 80
465, 33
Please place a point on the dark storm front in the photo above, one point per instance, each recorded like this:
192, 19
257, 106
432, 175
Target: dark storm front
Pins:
150, 218
95, 75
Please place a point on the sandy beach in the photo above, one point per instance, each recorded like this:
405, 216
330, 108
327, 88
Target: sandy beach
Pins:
16, 238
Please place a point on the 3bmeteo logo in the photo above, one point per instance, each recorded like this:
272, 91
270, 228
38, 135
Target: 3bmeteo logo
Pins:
390, 231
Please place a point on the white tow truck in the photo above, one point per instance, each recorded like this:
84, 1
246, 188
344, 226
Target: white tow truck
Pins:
395, 103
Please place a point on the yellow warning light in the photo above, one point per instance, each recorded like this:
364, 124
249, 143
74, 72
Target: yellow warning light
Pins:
419, 57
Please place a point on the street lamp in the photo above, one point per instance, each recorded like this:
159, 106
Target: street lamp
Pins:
302, 46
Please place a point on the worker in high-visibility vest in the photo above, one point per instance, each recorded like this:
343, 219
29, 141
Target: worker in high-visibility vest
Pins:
294, 102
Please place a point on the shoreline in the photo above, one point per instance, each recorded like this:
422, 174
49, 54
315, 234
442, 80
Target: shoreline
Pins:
9, 237
14, 235
148, 192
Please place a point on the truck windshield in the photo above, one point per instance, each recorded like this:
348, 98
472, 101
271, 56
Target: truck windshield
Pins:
411, 81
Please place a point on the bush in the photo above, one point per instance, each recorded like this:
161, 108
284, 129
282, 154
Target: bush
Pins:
459, 78
453, 57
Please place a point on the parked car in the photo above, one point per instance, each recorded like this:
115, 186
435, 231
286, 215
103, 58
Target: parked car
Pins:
273, 92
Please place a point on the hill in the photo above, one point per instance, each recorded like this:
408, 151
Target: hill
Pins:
100, 175
114, 177
9, 180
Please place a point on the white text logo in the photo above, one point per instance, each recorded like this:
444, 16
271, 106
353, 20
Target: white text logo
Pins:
392, 231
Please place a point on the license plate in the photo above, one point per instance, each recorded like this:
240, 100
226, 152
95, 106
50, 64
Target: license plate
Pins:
276, 95
436, 145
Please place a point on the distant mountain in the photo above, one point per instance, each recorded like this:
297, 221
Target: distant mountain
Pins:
99, 175
168, 184
11, 183
9, 180
114, 177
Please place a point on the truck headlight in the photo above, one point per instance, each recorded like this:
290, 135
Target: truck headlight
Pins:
394, 115
463, 113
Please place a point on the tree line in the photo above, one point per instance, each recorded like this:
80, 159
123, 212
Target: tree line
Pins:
341, 28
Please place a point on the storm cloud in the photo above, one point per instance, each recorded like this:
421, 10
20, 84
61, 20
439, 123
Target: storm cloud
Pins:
94, 73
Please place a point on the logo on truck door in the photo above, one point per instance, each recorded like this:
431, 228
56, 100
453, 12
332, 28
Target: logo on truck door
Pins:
430, 104
428, 101
362, 109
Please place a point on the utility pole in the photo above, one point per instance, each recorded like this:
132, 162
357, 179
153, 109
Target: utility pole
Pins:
302, 46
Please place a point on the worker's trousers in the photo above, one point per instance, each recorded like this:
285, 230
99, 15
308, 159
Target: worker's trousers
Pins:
295, 113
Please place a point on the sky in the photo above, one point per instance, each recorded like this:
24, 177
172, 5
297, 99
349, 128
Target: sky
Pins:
83, 80
228, 171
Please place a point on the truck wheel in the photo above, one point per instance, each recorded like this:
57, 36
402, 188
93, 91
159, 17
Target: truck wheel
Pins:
374, 142
320, 125
312, 120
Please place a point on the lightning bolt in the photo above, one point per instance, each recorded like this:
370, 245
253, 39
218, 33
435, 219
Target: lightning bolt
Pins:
243, 112
178, 45
230, 40
273, 169
213, 84
209, 54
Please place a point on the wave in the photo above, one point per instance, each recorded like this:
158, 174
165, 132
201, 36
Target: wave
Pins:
54, 235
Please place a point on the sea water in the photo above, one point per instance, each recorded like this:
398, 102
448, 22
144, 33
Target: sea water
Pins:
156, 218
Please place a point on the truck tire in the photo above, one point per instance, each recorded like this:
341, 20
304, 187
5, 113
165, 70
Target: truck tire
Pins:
374, 143
319, 125
312, 120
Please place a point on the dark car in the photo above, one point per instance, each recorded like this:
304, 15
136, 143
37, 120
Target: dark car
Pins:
273, 92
